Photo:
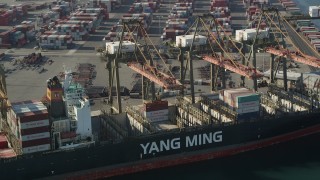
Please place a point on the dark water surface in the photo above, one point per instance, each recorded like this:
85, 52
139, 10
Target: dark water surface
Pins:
294, 160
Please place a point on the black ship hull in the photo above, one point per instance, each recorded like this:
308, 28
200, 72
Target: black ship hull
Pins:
213, 141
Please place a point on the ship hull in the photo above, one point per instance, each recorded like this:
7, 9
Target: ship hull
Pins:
166, 149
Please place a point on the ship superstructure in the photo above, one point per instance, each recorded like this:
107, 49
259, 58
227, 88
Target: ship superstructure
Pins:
73, 124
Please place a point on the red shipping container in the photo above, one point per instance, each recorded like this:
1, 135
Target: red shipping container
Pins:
35, 130
3, 142
35, 142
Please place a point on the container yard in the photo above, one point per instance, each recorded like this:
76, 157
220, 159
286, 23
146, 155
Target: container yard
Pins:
160, 78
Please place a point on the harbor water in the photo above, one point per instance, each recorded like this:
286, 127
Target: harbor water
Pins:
295, 160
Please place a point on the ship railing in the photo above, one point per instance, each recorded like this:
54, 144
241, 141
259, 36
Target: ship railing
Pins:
291, 97
220, 107
196, 112
265, 100
142, 120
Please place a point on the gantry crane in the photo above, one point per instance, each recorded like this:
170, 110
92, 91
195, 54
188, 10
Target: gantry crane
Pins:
217, 54
278, 27
141, 61
5, 106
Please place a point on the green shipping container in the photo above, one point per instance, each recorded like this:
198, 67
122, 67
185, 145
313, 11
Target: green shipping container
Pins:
248, 98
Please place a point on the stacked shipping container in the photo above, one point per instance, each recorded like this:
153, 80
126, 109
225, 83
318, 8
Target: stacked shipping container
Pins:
179, 20
156, 111
55, 41
307, 28
106, 4
87, 25
77, 33
140, 10
220, 10
243, 101
29, 121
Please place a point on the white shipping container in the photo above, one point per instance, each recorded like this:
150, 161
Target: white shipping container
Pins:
35, 136
247, 104
314, 11
249, 34
248, 110
158, 118
127, 46
44, 147
156, 113
186, 40
34, 124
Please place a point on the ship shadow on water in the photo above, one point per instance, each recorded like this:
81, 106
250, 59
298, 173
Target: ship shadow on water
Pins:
294, 160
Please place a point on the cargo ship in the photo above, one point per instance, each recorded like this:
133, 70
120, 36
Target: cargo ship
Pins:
57, 137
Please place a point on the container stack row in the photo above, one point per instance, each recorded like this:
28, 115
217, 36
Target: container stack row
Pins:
87, 25
180, 19
106, 4
18, 36
290, 6
243, 101
140, 10
77, 25
221, 11
63, 8
12, 13
36, 6
312, 33
56, 41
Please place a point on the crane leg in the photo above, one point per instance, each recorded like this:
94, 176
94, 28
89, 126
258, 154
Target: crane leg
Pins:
118, 86
285, 80
254, 62
213, 77
181, 71
272, 68
191, 78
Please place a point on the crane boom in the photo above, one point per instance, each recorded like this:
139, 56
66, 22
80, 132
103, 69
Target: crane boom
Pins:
295, 55
233, 66
154, 75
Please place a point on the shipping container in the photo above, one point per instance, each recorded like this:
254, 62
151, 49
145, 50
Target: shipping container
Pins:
3, 142
34, 124
35, 142
163, 112
314, 11
35, 136
155, 106
35, 130
34, 149
127, 46
27, 111
186, 40
250, 34
7, 153
106, 4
